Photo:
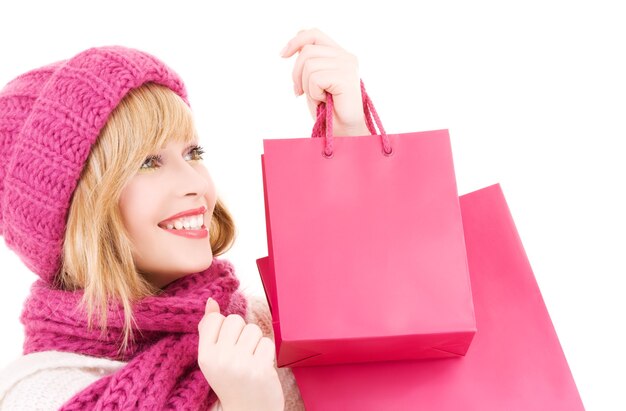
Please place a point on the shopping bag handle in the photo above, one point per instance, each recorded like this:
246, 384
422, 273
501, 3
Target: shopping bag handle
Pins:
323, 126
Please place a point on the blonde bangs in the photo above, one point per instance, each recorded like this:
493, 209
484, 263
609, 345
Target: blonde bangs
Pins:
152, 116
162, 116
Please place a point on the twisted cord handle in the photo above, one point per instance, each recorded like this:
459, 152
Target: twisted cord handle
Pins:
323, 126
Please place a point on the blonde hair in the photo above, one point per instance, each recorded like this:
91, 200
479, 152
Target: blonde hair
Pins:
97, 250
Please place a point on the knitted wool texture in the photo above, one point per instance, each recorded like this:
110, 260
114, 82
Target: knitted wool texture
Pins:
49, 119
162, 372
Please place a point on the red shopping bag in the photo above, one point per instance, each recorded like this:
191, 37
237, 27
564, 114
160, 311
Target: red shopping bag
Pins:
514, 363
366, 246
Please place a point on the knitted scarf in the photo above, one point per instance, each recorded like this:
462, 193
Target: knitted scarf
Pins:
162, 370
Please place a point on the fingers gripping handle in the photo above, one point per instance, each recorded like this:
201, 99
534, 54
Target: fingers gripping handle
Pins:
323, 126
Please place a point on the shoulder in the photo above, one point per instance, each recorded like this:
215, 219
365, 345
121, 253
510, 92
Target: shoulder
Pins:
47, 379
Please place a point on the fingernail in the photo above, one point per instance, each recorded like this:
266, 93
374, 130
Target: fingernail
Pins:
283, 51
295, 90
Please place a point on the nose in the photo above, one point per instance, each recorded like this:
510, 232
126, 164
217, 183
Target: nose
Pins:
191, 179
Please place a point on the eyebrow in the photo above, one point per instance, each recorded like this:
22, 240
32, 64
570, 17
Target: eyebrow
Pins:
186, 147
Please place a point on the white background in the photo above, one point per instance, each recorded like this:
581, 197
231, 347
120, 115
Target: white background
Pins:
533, 93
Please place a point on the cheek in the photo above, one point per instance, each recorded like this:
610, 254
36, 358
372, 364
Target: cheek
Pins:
138, 209
135, 206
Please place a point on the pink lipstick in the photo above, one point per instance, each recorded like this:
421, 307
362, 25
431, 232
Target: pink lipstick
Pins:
195, 211
201, 232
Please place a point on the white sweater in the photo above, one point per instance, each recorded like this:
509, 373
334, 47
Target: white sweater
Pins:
44, 381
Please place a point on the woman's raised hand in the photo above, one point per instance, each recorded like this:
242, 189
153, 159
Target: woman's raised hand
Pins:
238, 362
322, 65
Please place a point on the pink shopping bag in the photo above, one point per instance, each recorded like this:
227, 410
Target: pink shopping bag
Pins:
514, 363
366, 247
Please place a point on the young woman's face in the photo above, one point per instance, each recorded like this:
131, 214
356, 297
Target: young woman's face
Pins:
175, 182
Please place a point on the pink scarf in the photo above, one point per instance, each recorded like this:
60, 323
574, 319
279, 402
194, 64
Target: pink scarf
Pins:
162, 370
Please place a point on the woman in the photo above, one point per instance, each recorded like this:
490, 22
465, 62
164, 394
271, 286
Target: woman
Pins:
104, 196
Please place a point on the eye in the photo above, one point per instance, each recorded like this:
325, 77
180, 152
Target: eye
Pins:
149, 160
197, 152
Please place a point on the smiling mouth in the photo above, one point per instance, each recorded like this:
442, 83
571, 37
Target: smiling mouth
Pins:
178, 225
185, 219
168, 228
192, 233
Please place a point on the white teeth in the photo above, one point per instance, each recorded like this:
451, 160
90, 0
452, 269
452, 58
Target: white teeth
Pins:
193, 222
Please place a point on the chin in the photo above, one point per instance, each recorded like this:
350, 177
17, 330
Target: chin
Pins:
198, 266
167, 273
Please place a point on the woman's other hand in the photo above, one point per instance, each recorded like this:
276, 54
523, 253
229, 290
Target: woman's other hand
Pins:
322, 65
238, 362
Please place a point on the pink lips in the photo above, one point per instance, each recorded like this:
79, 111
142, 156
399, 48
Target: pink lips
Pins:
195, 211
198, 233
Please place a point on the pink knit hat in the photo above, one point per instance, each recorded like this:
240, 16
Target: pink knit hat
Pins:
49, 119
